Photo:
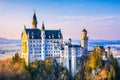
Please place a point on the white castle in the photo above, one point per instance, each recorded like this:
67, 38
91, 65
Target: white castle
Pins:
39, 44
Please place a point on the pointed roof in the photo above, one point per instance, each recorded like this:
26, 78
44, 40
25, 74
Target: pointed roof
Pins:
84, 30
43, 27
34, 17
24, 26
34, 21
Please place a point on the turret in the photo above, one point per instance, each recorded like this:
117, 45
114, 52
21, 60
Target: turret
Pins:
43, 27
108, 52
84, 33
43, 41
69, 41
84, 41
34, 21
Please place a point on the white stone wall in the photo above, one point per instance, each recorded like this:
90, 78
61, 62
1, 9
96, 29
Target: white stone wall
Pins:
43, 45
66, 58
71, 53
35, 49
52, 48
73, 61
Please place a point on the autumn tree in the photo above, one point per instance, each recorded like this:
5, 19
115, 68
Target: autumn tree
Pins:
48, 66
96, 59
16, 57
116, 67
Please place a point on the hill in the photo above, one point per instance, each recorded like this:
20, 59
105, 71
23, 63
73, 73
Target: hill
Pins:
9, 41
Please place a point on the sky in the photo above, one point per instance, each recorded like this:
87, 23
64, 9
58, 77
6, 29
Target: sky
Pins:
101, 18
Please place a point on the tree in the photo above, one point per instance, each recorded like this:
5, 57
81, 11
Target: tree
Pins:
93, 60
16, 57
88, 69
111, 73
116, 67
99, 61
30, 69
48, 66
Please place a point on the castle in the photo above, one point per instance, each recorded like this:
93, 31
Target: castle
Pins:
39, 44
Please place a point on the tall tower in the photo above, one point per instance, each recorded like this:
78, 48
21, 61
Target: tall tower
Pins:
43, 41
84, 41
108, 52
73, 61
34, 21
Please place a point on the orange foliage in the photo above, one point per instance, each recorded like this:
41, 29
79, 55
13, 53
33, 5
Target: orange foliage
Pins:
12, 71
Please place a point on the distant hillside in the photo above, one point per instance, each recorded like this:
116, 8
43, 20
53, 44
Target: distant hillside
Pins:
8, 47
104, 42
12, 46
9, 41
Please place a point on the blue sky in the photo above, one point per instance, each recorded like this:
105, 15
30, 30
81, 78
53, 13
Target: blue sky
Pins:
100, 17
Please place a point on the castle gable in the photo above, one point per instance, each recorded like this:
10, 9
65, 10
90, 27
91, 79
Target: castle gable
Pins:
53, 34
49, 34
33, 33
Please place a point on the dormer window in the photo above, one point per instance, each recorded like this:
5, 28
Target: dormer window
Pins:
59, 36
32, 37
49, 36
52, 36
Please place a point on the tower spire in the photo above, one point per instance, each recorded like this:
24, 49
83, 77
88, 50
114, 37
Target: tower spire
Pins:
43, 27
34, 21
34, 11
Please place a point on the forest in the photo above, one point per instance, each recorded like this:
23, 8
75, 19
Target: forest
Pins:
94, 68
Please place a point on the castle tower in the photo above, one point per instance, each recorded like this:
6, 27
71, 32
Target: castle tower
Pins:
84, 41
43, 41
73, 61
25, 38
108, 52
34, 21
66, 62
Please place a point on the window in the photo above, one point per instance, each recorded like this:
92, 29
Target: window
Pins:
33, 45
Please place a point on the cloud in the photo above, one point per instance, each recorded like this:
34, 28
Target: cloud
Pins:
90, 18
99, 27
